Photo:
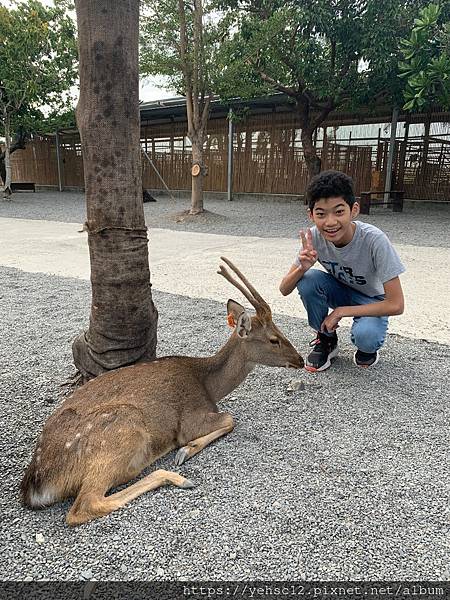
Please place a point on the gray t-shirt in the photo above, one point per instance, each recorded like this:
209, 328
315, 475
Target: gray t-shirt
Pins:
364, 264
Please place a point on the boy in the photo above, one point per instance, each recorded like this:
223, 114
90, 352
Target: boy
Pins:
362, 278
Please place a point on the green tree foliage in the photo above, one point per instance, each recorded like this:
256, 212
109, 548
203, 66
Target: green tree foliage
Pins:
161, 43
37, 68
426, 59
323, 54
179, 41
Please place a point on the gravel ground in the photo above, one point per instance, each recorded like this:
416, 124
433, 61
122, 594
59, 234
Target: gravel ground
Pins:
420, 224
346, 479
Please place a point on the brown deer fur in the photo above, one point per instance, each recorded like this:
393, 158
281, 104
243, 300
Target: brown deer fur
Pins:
114, 426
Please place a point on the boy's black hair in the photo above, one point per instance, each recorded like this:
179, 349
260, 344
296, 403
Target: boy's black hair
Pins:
330, 184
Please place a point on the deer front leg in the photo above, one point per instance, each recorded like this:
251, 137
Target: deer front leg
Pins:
218, 424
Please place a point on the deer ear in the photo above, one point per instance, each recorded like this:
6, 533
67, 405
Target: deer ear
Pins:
239, 318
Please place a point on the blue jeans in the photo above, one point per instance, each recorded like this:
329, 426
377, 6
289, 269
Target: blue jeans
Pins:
320, 291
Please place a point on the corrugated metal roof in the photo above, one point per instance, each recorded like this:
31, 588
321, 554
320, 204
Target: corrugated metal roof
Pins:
174, 109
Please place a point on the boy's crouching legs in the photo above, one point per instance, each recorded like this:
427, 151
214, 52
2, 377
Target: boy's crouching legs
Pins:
368, 335
319, 291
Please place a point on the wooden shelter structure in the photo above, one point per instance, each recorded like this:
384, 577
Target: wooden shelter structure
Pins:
263, 144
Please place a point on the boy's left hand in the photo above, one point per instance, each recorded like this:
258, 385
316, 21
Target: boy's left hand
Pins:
331, 322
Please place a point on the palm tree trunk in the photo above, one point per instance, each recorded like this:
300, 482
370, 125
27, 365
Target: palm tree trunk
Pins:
123, 320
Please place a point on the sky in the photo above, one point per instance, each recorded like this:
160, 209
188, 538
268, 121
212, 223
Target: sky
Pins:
154, 89
149, 89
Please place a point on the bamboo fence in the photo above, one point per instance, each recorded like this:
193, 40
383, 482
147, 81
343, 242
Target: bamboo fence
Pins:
267, 158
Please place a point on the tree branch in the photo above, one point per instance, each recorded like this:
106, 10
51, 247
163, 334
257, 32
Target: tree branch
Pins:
303, 105
293, 67
320, 118
205, 111
345, 69
294, 35
314, 103
185, 66
333, 56
341, 77
274, 83
196, 70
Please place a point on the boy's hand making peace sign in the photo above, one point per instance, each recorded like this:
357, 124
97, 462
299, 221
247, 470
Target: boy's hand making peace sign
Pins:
307, 255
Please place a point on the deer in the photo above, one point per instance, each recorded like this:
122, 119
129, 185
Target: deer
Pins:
114, 426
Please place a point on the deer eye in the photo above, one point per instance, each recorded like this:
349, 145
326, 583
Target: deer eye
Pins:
275, 341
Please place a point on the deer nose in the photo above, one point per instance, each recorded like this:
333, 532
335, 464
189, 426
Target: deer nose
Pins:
298, 363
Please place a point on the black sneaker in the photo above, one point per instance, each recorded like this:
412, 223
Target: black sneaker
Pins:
365, 359
325, 348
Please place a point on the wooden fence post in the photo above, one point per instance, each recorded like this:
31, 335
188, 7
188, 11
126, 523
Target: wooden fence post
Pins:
230, 157
364, 203
397, 201
58, 161
390, 161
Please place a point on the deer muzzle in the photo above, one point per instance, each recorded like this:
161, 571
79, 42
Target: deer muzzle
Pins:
296, 363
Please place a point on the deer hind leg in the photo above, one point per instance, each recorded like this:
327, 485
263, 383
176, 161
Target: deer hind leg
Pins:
94, 504
215, 426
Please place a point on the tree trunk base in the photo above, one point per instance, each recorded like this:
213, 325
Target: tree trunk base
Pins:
90, 363
196, 211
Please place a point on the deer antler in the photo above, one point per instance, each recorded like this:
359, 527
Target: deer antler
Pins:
254, 297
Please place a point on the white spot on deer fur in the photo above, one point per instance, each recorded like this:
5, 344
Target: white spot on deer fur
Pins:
38, 458
44, 497
105, 415
74, 441
89, 426
103, 443
38, 451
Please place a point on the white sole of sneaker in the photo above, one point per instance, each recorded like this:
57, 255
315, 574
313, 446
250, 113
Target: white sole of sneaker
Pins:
324, 367
366, 366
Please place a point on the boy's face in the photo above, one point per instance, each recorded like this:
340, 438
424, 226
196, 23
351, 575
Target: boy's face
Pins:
333, 218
